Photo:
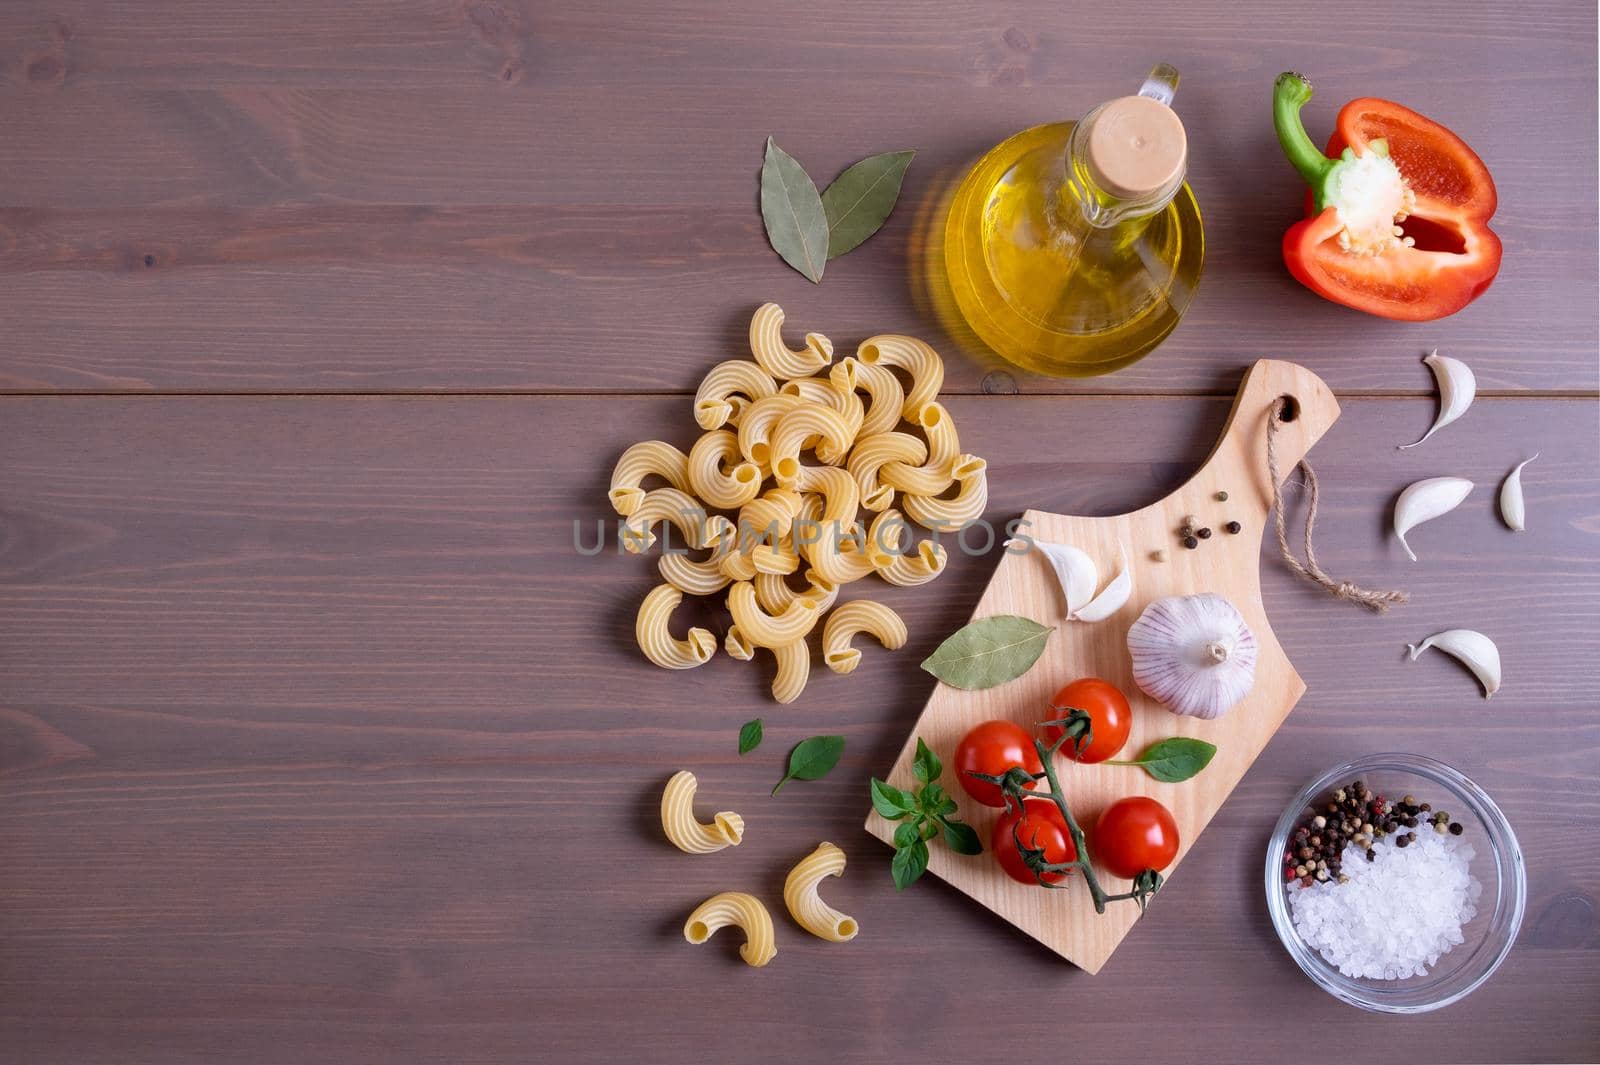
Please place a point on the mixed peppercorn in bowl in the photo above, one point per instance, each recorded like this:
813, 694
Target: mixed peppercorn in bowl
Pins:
1395, 883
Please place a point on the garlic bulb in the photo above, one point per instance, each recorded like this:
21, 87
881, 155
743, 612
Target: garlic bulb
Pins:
1194, 654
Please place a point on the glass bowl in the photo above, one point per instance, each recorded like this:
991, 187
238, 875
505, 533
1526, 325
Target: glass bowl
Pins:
1497, 865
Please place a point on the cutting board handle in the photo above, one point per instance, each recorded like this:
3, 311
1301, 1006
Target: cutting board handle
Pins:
1306, 409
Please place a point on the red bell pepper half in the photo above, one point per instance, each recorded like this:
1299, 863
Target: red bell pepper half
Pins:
1399, 209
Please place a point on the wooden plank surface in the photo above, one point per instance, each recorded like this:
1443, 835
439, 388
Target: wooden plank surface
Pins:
492, 195
320, 743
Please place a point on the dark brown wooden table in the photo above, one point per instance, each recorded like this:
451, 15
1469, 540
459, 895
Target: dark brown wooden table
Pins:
323, 322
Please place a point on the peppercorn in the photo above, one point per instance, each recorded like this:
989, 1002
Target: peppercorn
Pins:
1190, 542
1440, 827
1409, 801
1307, 881
1343, 879
1456, 828
1204, 534
1409, 822
1425, 807
1234, 528
1371, 857
1303, 853
1319, 821
1158, 555
1403, 841
1222, 497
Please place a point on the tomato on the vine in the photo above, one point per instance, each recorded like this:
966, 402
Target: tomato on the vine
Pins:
1040, 826
1109, 719
1135, 834
992, 748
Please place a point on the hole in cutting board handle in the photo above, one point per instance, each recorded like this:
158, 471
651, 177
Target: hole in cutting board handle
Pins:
1288, 408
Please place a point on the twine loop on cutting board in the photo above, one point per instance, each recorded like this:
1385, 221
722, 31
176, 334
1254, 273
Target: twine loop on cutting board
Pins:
1376, 601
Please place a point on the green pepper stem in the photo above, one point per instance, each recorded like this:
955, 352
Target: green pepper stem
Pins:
1289, 94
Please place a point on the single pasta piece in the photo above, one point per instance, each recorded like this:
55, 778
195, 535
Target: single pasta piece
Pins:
729, 386
656, 639
888, 532
806, 905
773, 592
739, 910
918, 567
766, 630
675, 507
725, 489
915, 358
794, 433
948, 515
823, 592
944, 447
885, 398
838, 554
858, 615
838, 392
768, 519
737, 646
698, 577
870, 454
644, 459
755, 428
740, 565
766, 344
779, 560
688, 834
794, 668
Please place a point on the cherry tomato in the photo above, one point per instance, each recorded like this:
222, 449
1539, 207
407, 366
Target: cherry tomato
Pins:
992, 748
1135, 834
1110, 719
1041, 825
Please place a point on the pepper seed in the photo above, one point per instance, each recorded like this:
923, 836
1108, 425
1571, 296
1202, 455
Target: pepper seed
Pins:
1190, 542
1204, 534
1233, 527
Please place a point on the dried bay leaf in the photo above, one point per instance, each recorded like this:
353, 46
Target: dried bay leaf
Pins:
792, 211
860, 199
988, 652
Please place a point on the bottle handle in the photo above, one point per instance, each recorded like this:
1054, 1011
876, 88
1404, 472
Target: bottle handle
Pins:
1161, 84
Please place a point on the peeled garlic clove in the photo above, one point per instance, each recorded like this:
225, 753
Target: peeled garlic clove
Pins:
1457, 387
1074, 569
1112, 596
1424, 501
1475, 650
1194, 654
1511, 497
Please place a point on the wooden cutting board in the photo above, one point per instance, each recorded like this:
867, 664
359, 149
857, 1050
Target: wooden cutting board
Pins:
1064, 920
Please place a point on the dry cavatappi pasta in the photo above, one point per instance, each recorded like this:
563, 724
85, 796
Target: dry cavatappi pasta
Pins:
799, 484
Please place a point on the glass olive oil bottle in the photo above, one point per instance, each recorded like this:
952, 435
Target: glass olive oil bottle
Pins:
1072, 249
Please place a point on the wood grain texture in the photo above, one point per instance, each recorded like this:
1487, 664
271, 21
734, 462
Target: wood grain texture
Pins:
459, 196
305, 702
1025, 585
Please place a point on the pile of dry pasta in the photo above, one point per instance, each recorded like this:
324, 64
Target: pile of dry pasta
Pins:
762, 419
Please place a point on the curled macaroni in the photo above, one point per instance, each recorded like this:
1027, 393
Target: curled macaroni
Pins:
698, 577
755, 428
806, 905
725, 489
794, 668
915, 358
837, 392
918, 567
872, 453
944, 447
795, 432
655, 638
766, 630
644, 459
858, 615
676, 508
737, 646
766, 344
688, 834
885, 398
727, 389
948, 515
739, 910
780, 560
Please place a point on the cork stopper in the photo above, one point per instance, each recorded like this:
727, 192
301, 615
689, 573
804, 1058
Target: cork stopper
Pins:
1136, 147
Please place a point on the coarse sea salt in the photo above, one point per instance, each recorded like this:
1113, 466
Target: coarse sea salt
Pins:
1398, 914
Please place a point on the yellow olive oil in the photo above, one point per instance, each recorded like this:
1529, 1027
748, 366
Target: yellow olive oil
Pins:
1051, 273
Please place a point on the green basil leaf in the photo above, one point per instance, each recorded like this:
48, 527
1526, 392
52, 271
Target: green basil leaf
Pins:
792, 211
988, 652
929, 798
812, 758
1175, 759
860, 199
890, 801
961, 838
926, 766
909, 864
930, 828
750, 736
907, 832
946, 807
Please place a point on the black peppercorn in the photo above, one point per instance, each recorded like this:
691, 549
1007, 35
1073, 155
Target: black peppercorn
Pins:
1204, 534
1233, 527
1456, 829
1190, 542
1403, 841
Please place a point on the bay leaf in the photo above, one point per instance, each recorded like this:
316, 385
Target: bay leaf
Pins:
792, 211
860, 199
988, 652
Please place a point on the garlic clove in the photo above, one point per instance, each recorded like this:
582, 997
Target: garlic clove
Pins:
1074, 569
1112, 596
1194, 654
1475, 650
1457, 387
1424, 501
1511, 508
